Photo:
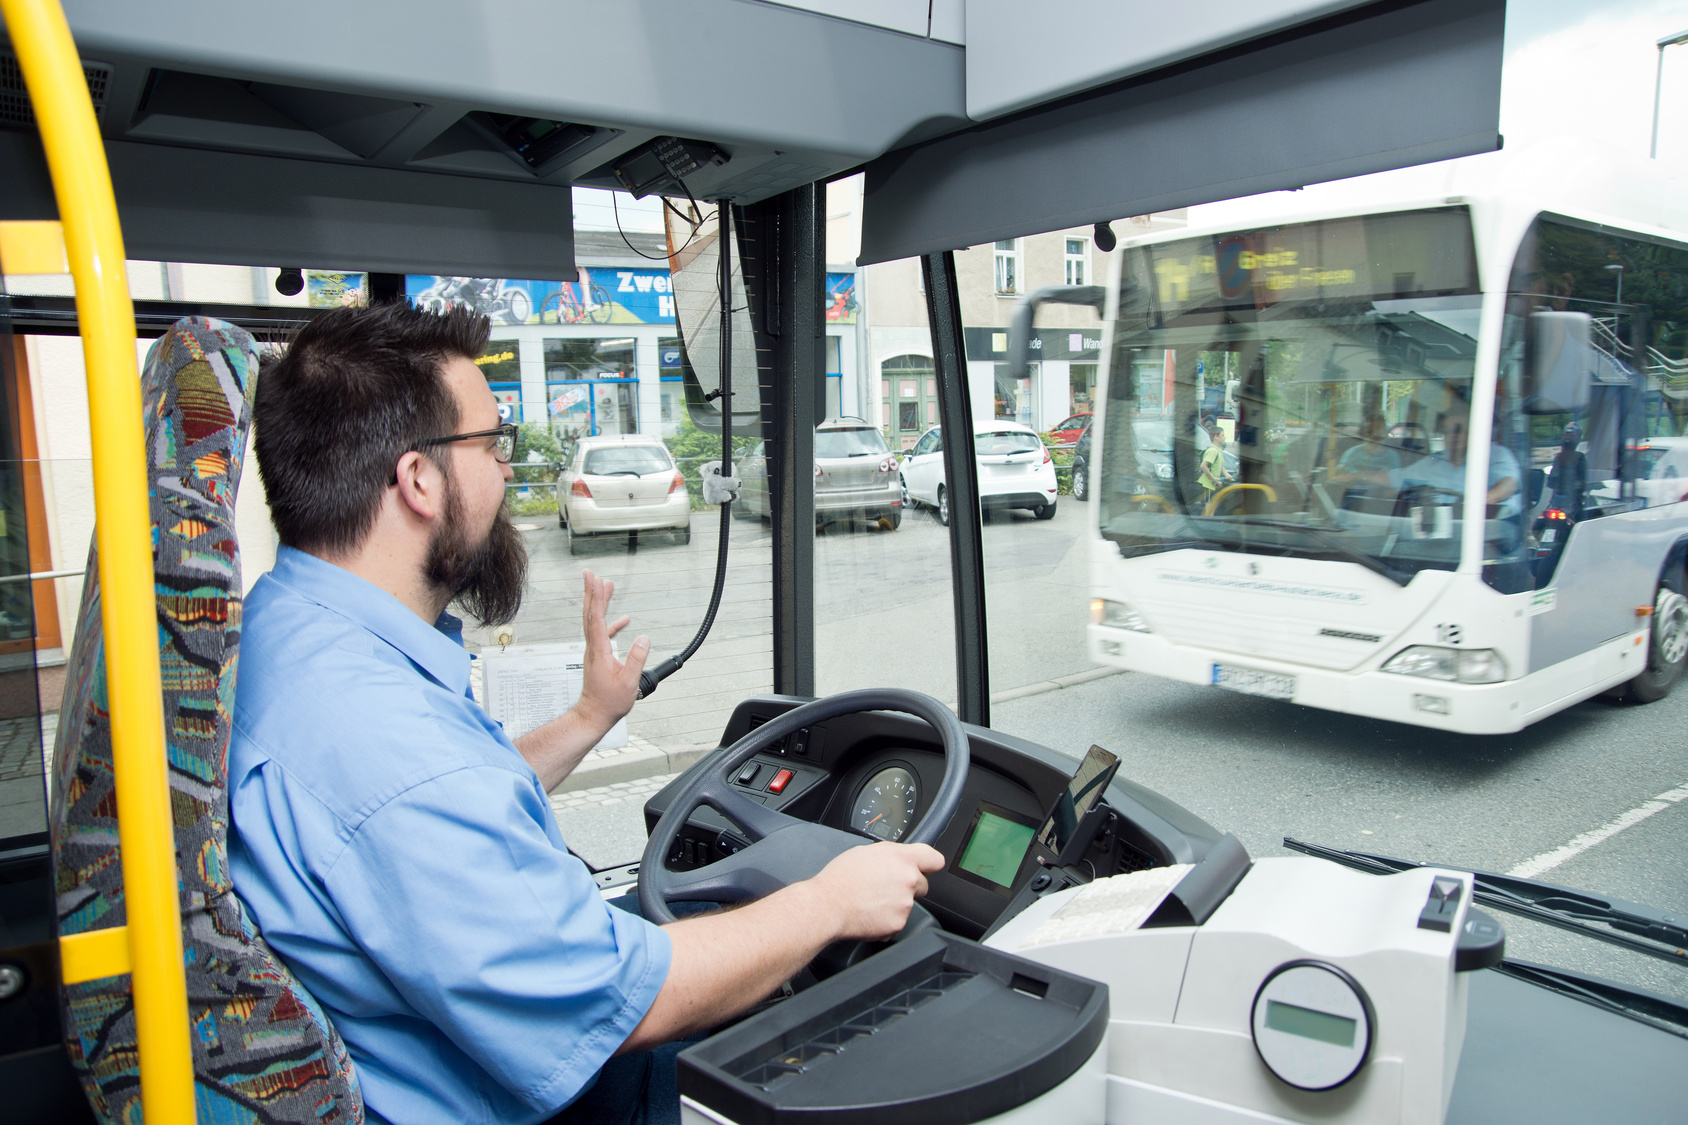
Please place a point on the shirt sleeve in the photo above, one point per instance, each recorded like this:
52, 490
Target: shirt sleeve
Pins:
496, 934
1502, 464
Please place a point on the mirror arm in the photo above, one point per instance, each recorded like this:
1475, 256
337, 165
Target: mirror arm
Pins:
1020, 321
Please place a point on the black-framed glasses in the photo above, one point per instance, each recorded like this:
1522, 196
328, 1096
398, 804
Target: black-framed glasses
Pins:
503, 449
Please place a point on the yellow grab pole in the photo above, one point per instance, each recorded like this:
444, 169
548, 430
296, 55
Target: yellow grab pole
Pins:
94, 244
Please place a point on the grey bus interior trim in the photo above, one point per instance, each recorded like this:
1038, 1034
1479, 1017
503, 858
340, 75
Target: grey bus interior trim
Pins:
1380, 87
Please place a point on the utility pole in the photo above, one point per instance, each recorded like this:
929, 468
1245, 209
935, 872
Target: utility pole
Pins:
1658, 81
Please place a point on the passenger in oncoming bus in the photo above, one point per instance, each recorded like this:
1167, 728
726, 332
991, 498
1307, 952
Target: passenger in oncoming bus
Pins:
395, 848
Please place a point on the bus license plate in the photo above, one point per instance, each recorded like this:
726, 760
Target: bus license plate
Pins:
1252, 681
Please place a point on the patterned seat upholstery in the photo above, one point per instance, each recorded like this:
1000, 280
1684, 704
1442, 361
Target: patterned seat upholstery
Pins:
263, 1051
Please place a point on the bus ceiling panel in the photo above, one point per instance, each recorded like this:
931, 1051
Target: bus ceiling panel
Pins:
790, 95
1380, 87
200, 205
1000, 38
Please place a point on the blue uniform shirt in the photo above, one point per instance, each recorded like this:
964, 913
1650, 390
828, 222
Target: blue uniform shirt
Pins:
398, 853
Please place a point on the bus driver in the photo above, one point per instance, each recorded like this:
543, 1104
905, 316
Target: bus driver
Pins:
393, 846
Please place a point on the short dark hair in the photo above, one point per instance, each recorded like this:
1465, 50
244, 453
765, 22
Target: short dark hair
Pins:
355, 390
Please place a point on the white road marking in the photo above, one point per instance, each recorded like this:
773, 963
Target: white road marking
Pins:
1547, 861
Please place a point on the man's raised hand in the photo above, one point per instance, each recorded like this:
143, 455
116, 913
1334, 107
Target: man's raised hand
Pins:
609, 685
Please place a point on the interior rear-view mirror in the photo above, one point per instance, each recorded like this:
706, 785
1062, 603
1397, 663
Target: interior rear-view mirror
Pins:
1558, 362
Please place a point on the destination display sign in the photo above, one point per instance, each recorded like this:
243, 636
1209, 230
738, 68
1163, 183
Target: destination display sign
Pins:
1378, 257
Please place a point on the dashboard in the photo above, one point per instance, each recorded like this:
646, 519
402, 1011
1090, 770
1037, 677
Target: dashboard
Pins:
875, 773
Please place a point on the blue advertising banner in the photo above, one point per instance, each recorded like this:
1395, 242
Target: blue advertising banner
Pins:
601, 296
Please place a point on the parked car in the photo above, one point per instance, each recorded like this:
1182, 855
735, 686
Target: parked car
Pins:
1081, 467
1068, 431
855, 476
1015, 470
621, 483
1660, 466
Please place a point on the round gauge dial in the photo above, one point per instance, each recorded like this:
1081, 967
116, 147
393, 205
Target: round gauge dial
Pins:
885, 804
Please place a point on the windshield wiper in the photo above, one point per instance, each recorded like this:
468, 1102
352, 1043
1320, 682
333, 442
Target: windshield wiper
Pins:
1400, 578
1638, 1004
1552, 905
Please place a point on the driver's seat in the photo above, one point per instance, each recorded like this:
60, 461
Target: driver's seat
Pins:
263, 1050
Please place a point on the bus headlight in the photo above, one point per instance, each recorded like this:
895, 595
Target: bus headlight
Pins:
1456, 665
1118, 615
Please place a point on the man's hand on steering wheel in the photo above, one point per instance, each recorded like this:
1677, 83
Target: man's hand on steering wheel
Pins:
874, 887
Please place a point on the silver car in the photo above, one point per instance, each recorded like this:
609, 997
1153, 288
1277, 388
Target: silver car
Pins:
619, 484
855, 476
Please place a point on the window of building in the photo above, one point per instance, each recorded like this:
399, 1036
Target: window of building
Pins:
671, 395
1008, 266
591, 386
1077, 257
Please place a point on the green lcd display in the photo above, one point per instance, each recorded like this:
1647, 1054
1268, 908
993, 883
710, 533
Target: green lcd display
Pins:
1305, 1022
995, 848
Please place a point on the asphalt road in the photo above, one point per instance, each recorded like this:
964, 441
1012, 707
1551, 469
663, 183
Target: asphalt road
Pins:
1259, 768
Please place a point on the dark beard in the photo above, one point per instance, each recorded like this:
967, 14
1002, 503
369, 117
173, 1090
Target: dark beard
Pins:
487, 579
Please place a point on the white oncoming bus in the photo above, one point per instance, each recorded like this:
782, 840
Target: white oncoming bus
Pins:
1512, 342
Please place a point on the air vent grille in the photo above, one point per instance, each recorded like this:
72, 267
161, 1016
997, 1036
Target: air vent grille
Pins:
14, 94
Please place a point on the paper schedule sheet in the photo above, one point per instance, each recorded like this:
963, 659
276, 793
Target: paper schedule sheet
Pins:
526, 686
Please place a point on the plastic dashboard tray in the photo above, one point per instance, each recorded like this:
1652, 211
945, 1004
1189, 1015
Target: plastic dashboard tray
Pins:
935, 1030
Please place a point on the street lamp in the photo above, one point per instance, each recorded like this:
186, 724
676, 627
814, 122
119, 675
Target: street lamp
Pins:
1658, 80
1619, 267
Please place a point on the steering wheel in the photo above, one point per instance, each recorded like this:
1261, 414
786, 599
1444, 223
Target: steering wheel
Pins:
784, 849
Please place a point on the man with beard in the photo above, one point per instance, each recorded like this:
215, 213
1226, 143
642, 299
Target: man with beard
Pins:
395, 848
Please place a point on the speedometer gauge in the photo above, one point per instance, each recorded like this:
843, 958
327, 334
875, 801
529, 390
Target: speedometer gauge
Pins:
885, 804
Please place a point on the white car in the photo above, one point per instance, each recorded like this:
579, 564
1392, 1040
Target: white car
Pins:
1015, 470
618, 484
1661, 472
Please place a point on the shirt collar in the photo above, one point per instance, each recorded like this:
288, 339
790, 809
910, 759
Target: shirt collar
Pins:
437, 649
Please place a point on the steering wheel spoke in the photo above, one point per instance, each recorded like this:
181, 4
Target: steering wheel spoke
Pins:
793, 853
756, 819
785, 850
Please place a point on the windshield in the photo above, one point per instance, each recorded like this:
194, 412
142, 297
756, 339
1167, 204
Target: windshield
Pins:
1153, 434
1299, 390
1005, 443
862, 442
622, 460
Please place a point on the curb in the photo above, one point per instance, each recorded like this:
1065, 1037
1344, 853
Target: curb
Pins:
635, 761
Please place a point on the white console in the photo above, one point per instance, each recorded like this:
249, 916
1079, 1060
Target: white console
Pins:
1312, 993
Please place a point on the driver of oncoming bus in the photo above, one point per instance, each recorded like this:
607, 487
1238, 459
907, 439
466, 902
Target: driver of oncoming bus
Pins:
1445, 471
394, 847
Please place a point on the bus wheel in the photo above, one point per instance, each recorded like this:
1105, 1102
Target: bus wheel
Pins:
1667, 651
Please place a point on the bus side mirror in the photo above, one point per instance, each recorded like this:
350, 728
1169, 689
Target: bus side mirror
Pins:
1020, 321
1558, 362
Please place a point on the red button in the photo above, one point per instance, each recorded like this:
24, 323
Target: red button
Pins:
778, 783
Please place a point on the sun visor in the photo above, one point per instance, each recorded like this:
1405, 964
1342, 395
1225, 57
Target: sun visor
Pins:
199, 205
1381, 87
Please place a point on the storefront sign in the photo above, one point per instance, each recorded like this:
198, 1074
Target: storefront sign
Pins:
1045, 344
601, 296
